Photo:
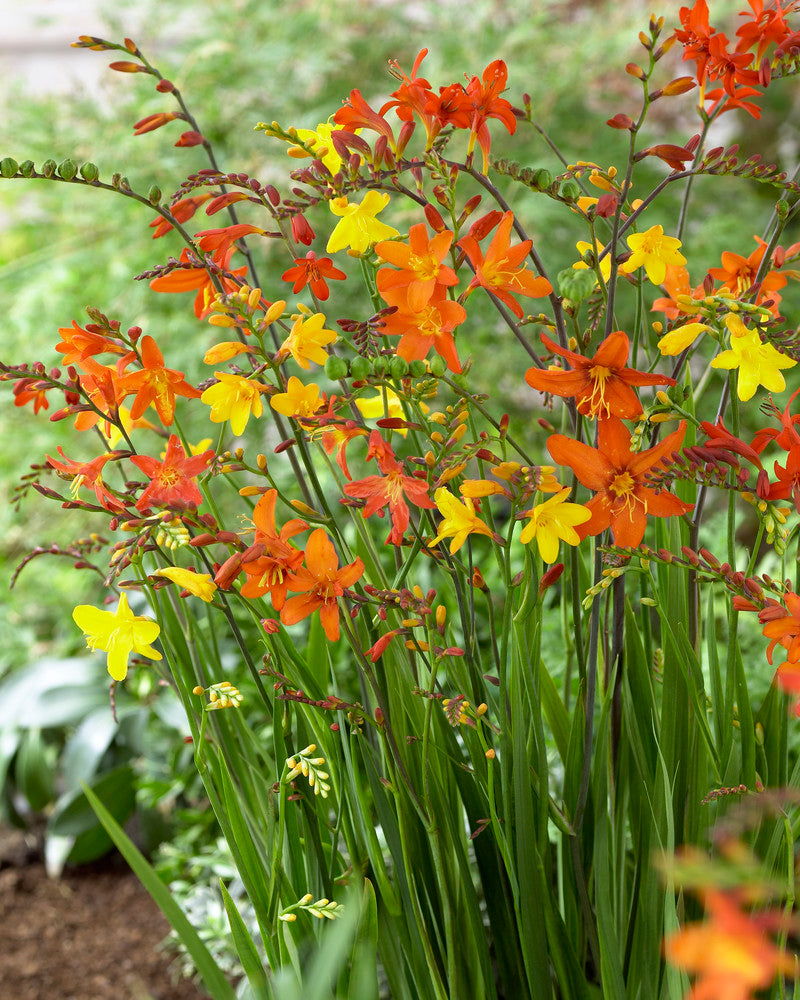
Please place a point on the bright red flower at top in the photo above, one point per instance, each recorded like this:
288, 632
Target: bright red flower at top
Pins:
411, 98
155, 384
601, 385
172, 482
695, 35
764, 28
622, 499
487, 103
312, 271
502, 271
321, 583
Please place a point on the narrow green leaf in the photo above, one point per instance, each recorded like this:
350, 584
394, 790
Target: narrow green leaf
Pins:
245, 948
213, 978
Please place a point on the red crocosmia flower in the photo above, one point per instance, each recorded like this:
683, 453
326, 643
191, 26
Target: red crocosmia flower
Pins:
430, 327
737, 274
420, 261
270, 559
155, 384
487, 103
321, 583
390, 489
172, 482
301, 230
313, 271
765, 27
78, 344
602, 384
695, 36
451, 106
719, 437
787, 437
502, 270
89, 474
337, 437
26, 391
181, 211
356, 114
412, 98
730, 67
618, 476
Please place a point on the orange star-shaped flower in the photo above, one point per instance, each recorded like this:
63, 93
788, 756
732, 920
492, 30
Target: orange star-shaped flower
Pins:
622, 499
601, 384
321, 583
270, 559
502, 270
420, 263
155, 384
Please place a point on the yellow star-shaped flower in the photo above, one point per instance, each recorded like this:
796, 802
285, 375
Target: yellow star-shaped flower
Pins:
118, 633
460, 520
358, 227
554, 521
758, 363
233, 398
653, 251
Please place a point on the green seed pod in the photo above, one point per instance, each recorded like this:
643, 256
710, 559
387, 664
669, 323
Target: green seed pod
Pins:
49, 168
418, 369
8, 166
360, 368
398, 367
67, 169
335, 368
154, 195
569, 189
380, 366
438, 366
26, 168
542, 179
89, 171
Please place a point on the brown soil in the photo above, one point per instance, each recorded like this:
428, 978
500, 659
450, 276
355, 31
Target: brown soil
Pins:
93, 934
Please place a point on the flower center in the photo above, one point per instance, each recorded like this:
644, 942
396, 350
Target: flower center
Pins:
426, 267
622, 485
599, 375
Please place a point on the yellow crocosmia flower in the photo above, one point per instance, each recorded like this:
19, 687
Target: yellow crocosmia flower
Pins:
358, 227
675, 341
653, 251
298, 401
480, 488
233, 398
584, 203
118, 633
228, 349
306, 341
605, 264
199, 584
758, 363
319, 139
554, 521
460, 520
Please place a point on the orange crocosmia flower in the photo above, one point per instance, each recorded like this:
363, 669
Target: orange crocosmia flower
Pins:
389, 489
732, 953
420, 263
89, 474
737, 274
270, 559
679, 291
618, 476
181, 211
172, 481
320, 584
502, 271
26, 391
337, 437
155, 384
312, 271
602, 384
431, 326
412, 97
218, 242
782, 627
78, 344
99, 382
356, 114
